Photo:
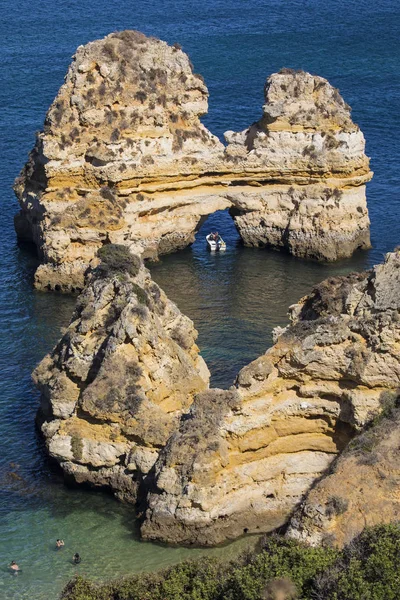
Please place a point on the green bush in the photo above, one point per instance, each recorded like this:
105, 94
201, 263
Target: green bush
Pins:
279, 559
77, 447
117, 260
141, 294
367, 569
337, 506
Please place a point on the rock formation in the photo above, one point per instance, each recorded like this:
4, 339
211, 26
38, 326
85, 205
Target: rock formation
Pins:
243, 459
115, 385
361, 490
125, 400
363, 486
124, 158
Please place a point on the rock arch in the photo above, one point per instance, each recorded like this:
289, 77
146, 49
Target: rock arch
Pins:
124, 158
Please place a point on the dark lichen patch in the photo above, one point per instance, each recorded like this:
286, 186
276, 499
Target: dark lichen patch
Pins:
77, 447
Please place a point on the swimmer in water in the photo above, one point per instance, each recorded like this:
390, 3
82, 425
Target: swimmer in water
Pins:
76, 559
14, 567
59, 543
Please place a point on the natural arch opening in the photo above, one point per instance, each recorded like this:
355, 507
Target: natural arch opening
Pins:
220, 221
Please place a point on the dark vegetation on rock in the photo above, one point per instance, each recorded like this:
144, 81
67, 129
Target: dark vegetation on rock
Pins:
367, 569
117, 260
329, 297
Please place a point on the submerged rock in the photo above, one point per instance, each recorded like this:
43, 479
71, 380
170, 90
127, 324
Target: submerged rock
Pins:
123, 372
243, 459
124, 158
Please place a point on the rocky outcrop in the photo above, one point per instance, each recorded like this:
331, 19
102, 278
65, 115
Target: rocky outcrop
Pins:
310, 159
243, 459
362, 489
115, 385
124, 158
125, 401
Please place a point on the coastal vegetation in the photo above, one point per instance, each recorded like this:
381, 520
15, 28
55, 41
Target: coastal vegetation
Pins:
117, 260
281, 569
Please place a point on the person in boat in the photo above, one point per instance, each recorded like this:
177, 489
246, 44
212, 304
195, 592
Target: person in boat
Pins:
76, 559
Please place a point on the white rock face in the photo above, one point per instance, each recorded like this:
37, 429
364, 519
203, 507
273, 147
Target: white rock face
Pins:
124, 158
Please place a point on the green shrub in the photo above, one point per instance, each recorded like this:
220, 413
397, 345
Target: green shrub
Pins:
81, 589
336, 506
280, 558
367, 569
141, 294
117, 260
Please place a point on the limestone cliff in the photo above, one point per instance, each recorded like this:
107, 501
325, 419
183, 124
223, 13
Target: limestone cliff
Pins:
124, 158
115, 385
243, 459
361, 490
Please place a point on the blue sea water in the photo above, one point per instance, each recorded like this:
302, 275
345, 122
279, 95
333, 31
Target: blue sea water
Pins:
235, 299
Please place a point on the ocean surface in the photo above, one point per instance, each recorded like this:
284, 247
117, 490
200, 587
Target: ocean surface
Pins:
235, 298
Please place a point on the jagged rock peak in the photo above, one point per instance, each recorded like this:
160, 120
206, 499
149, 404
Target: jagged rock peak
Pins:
296, 99
116, 383
119, 95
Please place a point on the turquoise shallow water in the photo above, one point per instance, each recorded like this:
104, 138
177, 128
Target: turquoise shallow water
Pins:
235, 299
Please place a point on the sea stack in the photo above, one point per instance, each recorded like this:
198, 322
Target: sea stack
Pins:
310, 161
115, 385
123, 158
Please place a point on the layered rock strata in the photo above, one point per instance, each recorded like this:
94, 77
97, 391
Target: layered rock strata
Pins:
243, 459
115, 385
362, 490
124, 158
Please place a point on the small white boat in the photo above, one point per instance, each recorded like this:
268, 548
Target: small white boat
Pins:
215, 242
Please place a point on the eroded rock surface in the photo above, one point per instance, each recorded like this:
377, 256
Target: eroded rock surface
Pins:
243, 459
124, 158
115, 385
362, 490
